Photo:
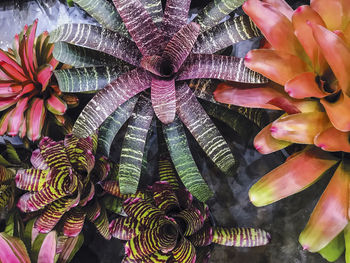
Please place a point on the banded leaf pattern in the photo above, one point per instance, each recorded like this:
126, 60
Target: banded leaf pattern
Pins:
175, 17
31, 179
5, 195
163, 99
226, 34
133, 146
82, 57
112, 187
185, 252
88, 79
115, 93
102, 224
98, 38
13, 249
74, 222
193, 218
240, 237
215, 11
164, 197
154, 8
104, 12
203, 237
203, 129
167, 173
149, 38
183, 161
218, 67
124, 228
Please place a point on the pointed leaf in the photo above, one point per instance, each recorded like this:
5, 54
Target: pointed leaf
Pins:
163, 99
44, 75
88, 79
113, 123
99, 39
118, 91
175, 17
183, 161
300, 128
223, 35
215, 11
240, 237
105, 13
331, 213
17, 117
295, 175
218, 67
203, 129
44, 247
139, 23
133, 146
35, 119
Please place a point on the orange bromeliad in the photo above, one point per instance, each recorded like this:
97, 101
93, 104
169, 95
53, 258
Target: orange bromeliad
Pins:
307, 59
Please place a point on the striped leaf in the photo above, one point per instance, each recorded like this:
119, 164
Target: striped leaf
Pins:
215, 11
102, 224
230, 32
240, 237
12, 249
74, 222
113, 204
79, 57
163, 99
112, 187
38, 161
167, 173
88, 79
113, 123
104, 12
185, 252
133, 146
175, 17
118, 92
6, 194
70, 248
97, 38
154, 9
218, 67
14, 225
203, 129
54, 154
93, 210
193, 220
6, 174
44, 248
146, 35
183, 161
124, 228
203, 237
32, 179
164, 196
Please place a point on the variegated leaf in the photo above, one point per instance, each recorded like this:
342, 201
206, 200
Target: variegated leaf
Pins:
215, 11
184, 252
218, 67
133, 146
164, 196
193, 220
102, 224
203, 237
44, 247
82, 57
88, 79
70, 247
32, 179
112, 187
183, 161
240, 237
12, 249
203, 129
104, 12
100, 39
125, 228
146, 35
231, 31
117, 92
74, 222
113, 123
167, 173
113, 204
154, 8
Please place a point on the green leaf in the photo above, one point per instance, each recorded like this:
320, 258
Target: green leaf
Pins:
183, 161
125, 228
14, 225
44, 248
223, 35
70, 3
133, 145
215, 11
105, 13
347, 243
102, 224
113, 204
167, 173
12, 154
78, 57
112, 125
203, 129
70, 248
89, 79
334, 249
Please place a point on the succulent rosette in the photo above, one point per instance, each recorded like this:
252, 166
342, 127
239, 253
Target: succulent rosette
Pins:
307, 58
141, 62
61, 186
27, 92
165, 224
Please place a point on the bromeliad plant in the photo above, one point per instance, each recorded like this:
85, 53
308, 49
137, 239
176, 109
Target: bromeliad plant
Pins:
61, 186
307, 57
141, 59
28, 95
165, 224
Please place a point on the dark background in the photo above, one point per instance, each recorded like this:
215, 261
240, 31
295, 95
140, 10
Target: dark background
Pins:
230, 206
